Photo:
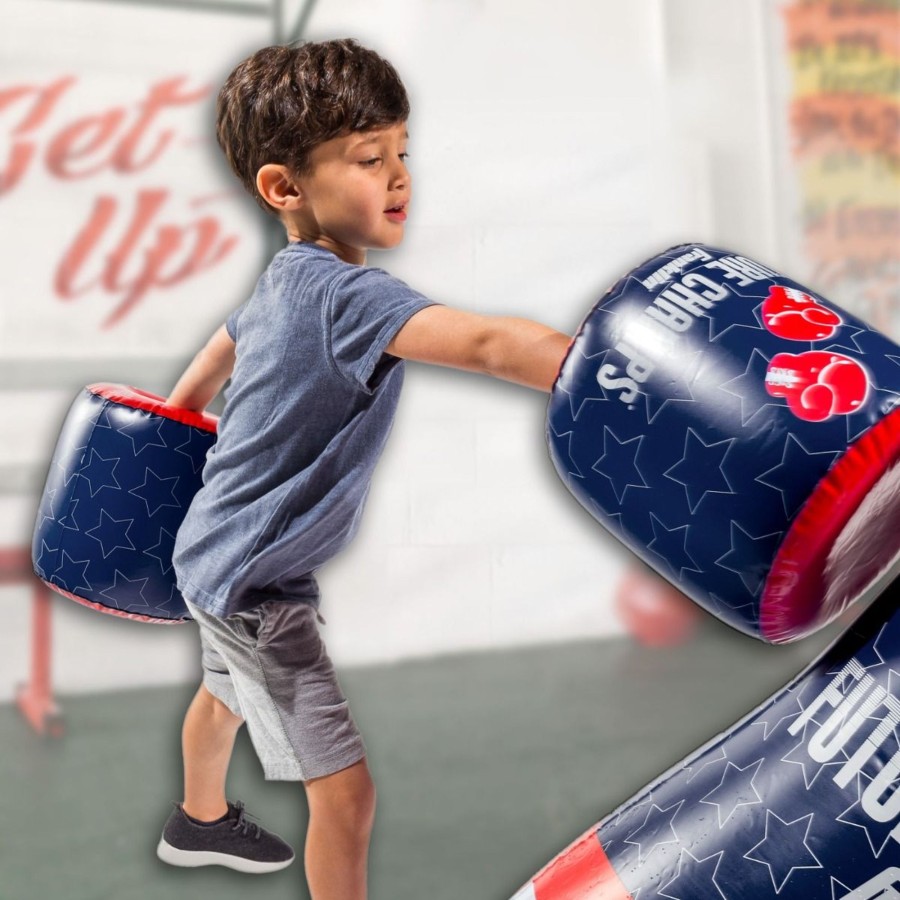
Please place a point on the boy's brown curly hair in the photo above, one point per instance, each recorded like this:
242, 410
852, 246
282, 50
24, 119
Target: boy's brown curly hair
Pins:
281, 102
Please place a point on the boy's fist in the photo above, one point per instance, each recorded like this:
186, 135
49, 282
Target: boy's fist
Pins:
663, 426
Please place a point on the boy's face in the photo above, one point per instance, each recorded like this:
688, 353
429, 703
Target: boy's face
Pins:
356, 195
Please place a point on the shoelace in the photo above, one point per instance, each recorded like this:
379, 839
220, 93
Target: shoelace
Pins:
243, 823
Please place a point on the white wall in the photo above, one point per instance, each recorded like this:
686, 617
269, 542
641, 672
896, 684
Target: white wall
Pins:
550, 153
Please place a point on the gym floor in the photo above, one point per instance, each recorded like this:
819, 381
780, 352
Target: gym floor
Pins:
487, 765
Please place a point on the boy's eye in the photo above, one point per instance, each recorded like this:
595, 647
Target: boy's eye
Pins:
371, 163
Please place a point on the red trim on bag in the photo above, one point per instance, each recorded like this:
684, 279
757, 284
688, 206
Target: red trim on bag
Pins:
99, 607
792, 603
581, 872
135, 398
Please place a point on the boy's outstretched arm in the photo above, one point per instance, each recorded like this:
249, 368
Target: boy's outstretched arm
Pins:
206, 374
516, 350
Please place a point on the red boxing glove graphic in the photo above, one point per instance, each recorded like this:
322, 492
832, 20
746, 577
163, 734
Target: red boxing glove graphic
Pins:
818, 384
792, 314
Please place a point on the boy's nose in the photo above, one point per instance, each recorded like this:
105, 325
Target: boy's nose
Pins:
400, 176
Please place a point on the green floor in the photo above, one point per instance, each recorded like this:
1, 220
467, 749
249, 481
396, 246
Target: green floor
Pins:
487, 765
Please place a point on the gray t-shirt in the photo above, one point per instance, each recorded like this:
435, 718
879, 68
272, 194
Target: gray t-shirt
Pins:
307, 413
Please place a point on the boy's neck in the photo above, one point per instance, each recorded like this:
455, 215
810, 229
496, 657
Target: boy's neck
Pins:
354, 255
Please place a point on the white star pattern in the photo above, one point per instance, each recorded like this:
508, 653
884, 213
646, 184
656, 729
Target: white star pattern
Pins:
844, 681
153, 492
726, 609
799, 756
666, 546
143, 436
574, 471
68, 520
750, 386
707, 867
782, 846
45, 556
839, 886
745, 546
68, 473
683, 378
125, 592
47, 510
728, 466
733, 790
860, 422
694, 460
82, 419
577, 402
878, 834
783, 477
193, 448
853, 344
612, 521
109, 535
655, 831
96, 530
98, 473
633, 809
164, 545
79, 582
750, 316
707, 762
768, 728
614, 452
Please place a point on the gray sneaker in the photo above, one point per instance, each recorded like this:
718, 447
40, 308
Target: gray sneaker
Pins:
236, 843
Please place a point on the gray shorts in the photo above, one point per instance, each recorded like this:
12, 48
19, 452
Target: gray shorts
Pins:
269, 666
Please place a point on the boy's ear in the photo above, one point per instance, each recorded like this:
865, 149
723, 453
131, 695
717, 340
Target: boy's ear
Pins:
277, 187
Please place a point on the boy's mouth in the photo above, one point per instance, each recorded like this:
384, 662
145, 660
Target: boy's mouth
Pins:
396, 213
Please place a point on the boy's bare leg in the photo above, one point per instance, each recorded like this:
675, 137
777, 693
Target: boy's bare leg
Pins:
207, 740
341, 813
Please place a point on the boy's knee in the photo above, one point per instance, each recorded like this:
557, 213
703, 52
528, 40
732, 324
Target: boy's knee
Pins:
348, 794
217, 708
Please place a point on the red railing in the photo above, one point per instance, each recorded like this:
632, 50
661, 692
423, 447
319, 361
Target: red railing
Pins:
35, 697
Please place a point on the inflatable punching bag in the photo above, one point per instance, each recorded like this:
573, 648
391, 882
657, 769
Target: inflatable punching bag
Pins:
798, 801
740, 434
124, 472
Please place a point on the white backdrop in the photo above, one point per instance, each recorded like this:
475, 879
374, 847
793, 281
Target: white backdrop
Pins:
552, 148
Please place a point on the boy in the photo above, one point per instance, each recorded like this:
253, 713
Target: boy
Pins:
317, 133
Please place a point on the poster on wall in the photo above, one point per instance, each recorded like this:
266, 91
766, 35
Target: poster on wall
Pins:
835, 76
124, 236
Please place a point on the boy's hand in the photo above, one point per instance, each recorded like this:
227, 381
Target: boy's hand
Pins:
516, 350
206, 374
